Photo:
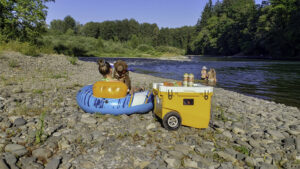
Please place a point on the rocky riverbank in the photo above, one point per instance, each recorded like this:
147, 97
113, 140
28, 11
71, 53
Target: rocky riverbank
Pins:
42, 126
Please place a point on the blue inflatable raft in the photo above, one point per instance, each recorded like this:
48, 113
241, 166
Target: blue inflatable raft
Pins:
140, 102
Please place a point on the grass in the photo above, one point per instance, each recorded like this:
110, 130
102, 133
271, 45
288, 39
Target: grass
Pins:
28, 111
38, 91
58, 76
217, 158
221, 116
242, 149
75, 46
13, 63
72, 45
40, 131
73, 60
26, 48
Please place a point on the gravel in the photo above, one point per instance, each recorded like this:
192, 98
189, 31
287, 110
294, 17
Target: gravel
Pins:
245, 132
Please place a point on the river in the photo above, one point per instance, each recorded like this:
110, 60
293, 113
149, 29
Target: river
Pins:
277, 81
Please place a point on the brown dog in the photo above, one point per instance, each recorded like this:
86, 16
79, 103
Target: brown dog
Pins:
121, 73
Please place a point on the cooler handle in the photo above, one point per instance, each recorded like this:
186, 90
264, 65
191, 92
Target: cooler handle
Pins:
170, 95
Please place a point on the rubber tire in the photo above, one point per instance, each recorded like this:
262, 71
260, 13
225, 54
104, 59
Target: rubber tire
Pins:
167, 117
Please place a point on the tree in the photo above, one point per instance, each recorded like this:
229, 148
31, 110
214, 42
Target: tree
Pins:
206, 14
23, 20
91, 29
69, 23
57, 26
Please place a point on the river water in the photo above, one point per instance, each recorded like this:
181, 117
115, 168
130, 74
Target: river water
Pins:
277, 81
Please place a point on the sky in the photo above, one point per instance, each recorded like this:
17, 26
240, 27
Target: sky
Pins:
165, 13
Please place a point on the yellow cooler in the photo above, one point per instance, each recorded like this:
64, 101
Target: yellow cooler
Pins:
177, 105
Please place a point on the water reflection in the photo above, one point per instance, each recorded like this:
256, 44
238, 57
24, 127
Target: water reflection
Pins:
272, 80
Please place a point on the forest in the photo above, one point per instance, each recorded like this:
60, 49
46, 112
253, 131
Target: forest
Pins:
225, 28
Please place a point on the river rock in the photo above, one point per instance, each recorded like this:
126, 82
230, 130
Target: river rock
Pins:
237, 130
3, 165
226, 165
41, 154
276, 135
16, 149
187, 163
151, 126
226, 156
54, 163
87, 119
176, 154
297, 141
11, 160
172, 163
19, 122
183, 148
227, 134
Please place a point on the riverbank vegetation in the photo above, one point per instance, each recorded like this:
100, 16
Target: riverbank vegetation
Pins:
241, 27
229, 27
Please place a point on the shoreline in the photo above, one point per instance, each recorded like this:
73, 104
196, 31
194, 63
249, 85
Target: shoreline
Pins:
270, 58
180, 58
245, 132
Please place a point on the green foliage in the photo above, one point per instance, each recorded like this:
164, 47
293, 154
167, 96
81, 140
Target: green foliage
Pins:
144, 48
23, 20
26, 48
169, 50
100, 44
13, 63
91, 29
40, 131
68, 26
242, 149
73, 60
239, 26
134, 41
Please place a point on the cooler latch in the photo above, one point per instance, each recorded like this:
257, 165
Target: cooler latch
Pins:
170, 94
206, 94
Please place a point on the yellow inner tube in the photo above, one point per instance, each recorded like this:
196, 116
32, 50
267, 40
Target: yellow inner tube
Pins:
114, 90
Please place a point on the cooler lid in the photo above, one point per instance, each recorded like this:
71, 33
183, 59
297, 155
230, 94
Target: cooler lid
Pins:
197, 88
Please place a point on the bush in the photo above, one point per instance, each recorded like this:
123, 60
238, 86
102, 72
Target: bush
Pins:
30, 50
144, 48
13, 64
73, 60
22, 47
169, 49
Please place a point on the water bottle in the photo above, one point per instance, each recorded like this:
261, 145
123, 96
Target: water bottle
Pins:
191, 80
185, 79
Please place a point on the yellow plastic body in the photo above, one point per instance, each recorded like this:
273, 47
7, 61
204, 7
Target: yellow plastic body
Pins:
196, 115
114, 90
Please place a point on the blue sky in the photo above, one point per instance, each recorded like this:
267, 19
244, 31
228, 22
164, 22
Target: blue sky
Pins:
165, 13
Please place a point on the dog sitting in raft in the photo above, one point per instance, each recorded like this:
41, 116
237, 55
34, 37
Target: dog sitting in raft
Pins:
121, 73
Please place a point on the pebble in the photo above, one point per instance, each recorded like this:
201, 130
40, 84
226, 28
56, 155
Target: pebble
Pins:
297, 141
172, 163
19, 122
276, 135
11, 160
227, 157
151, 126
183, 148
238, 131
3, 165
41, 154
88, 120
54, 163
16, 149
269, 132
187, 163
